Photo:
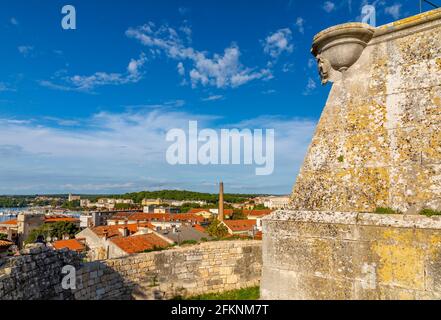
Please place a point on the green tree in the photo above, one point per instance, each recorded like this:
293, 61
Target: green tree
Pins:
54, 230
217, 229
71, 205
238, 215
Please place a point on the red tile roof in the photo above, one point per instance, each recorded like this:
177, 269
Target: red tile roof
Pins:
166, 217
13, 222
141, 243
199, 228
50, 219
121, 215
257, 213
228, 212
5, 243
196, 211
72, 244
113, 231
240, 225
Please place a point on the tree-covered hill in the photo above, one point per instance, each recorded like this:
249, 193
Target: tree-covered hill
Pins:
184, 196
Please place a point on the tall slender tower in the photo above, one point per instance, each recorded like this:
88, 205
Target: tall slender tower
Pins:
221, 202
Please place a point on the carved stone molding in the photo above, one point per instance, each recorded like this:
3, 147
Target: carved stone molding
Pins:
338, 48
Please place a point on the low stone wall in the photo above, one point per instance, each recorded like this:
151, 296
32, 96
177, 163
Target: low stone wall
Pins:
205, 268
313, 256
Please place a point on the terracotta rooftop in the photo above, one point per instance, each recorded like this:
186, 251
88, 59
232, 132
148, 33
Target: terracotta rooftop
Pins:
5, 243
121, 215
240, 225
196, 211
141, 243
257, 213
166, 217
9, 222
199, 228
113, 231
50, 219
72, 244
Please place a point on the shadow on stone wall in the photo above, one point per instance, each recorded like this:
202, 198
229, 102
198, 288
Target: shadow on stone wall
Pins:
209, 267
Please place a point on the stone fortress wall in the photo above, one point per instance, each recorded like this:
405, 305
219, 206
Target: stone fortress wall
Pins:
351, 256
378, 142
205, 268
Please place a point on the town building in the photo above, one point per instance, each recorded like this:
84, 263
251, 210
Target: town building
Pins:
274, 202
257, 215
71, 244
105, 203
211, 213
185, 233
18, 230
152, 202
245, 228
73, 198
4, 246
114, 241
154, 209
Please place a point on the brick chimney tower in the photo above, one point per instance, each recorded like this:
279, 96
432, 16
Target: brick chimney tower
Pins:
221, 202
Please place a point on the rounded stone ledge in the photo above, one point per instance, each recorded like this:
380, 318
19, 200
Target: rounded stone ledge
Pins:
354, 218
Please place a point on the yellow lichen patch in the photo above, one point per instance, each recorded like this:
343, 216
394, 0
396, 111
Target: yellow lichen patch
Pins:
438, 63
434, 246
433, 151
401, 263
437, 100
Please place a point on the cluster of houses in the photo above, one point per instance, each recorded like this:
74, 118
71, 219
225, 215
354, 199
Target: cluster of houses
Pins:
114, 234
124, 233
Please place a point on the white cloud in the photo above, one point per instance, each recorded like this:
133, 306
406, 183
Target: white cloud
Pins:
300, 24
329, 6
221, 71
118, 152
394, 11
181, 69
5, 87
310, 86
213, 98
278, 43
25, 50
14, 21
135, 65
89, 83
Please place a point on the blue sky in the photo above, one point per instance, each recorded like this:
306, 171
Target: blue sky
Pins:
87, 110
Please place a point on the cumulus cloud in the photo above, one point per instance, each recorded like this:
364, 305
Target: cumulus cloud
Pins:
329, 6
310, 86
5, 87
300, 24
394, 11
279, 42
218, 70
25, 50
90, 82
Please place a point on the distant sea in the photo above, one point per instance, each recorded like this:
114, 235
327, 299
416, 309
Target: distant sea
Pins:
10, 211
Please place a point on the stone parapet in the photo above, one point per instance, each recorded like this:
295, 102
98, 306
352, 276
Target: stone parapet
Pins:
351, 256
205, 268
